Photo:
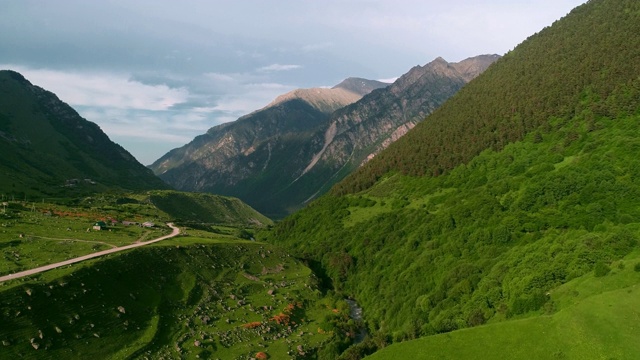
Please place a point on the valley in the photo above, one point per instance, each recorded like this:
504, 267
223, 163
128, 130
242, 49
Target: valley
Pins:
194, 292
484, 209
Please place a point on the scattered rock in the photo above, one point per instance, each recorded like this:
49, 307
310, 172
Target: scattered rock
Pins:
121, 309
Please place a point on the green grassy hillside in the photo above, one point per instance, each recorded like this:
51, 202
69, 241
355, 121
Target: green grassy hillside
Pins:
429, 255
33, 234
188, 208
537, 185
185, 298
597, 318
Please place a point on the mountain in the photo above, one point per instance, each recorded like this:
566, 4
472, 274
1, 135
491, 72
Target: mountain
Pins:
517, 198
198, 208
360, 86
47, 148
358, 132
251, 156
329, 100
280, 157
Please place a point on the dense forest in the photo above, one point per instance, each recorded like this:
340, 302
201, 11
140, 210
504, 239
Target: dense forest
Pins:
584, 65
526, 179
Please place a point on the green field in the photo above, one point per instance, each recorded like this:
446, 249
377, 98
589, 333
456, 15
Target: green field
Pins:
206, 293
34, 234
188, 297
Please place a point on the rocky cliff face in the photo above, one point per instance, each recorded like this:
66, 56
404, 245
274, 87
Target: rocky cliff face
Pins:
296, 148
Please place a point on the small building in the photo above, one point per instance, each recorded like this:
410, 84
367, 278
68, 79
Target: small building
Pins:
127, 223
148, 224
99, 225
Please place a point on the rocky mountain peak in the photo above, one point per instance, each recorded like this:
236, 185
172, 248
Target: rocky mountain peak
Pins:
465, 70
472, 67
329, 100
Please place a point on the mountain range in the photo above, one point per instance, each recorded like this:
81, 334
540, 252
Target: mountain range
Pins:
503, 224
280, 157
516, 199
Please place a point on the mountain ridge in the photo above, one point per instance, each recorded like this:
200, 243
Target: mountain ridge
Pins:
45, 143
523, 181
251, 163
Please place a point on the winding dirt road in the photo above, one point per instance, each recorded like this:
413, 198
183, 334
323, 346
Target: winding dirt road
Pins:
40, 269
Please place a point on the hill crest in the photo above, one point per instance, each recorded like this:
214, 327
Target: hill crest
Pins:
45, 143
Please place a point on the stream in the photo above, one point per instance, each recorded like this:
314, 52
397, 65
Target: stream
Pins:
355, 312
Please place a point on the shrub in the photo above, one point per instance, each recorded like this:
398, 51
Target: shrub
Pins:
601, 269
636, 267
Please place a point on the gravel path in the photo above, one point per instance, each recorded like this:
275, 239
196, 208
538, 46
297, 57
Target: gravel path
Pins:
40, 269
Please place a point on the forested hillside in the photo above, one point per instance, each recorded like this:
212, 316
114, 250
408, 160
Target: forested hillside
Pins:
584, 65
49, 150
526, 179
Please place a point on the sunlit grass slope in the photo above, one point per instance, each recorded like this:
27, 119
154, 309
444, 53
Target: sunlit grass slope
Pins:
597, 318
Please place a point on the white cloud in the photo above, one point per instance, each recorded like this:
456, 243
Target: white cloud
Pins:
278, 67
103, 89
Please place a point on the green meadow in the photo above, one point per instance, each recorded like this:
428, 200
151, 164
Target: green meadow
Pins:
33, 235
187, 298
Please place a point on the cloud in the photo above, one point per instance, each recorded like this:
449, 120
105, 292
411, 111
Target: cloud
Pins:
278, 67
104, 89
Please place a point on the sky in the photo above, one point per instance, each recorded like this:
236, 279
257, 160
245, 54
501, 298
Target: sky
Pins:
153, 74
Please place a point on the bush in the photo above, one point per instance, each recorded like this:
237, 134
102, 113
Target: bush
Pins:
601, 269
636, 267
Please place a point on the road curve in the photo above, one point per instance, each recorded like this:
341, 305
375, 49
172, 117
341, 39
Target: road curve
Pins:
40, 269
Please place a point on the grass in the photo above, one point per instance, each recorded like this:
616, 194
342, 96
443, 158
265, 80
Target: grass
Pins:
383, 205
34, 234
360, 214
37, 235
597, 318
185, 298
